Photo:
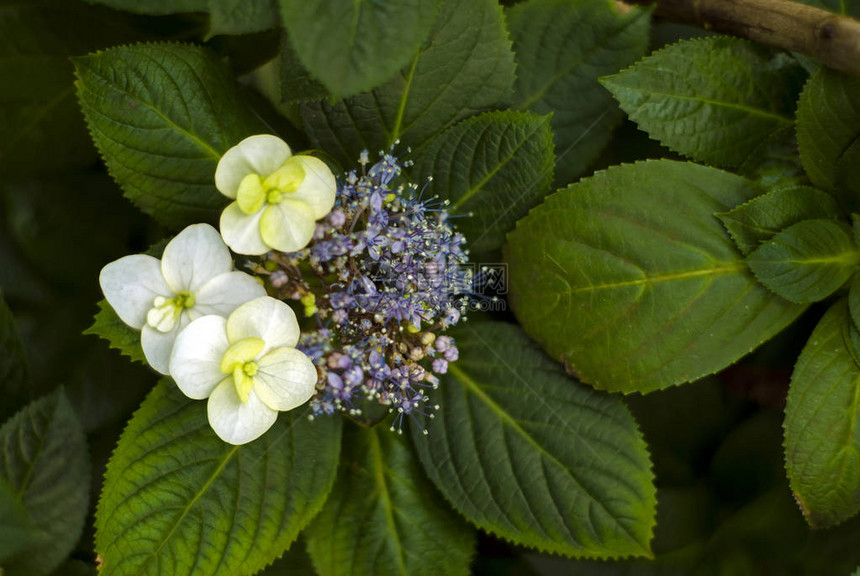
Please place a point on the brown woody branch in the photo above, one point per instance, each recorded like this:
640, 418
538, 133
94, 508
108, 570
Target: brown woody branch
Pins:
832, 38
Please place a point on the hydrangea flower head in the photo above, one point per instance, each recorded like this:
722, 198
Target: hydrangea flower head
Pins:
246, 365
393, 277
278, 196
194, 277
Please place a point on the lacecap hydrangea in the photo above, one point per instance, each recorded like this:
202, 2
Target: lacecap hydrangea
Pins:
376, 268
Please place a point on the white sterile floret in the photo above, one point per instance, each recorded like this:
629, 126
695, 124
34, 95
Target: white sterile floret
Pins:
278, 196
247, 365
194, 277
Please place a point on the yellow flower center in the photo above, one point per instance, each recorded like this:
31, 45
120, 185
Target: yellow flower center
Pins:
239, 359
165, 312
254, 191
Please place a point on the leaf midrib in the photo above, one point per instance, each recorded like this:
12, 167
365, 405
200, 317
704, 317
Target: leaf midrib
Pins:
506, 418
495, 170
151, 107
668, 277
379, 474
710, 101
214, 476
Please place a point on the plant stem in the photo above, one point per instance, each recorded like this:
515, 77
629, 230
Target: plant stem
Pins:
832, 38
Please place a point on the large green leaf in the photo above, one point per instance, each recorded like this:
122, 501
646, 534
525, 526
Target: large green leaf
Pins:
41, 128
822, 440
43, 458
177, 500
828, 129
355, 45
561, 48
162, 115
530, 455
467, 67
808, 261
13, 364
383, 516
493, 168
712, 99
630, 278
761, 218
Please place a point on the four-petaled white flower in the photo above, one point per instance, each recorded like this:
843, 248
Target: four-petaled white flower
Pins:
247, 365
278, 196
194, 278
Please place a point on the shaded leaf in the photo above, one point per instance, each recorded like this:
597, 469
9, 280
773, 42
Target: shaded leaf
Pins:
295, 83
828, 124
807, 261
14, 372
242, 16
162, 115
177, 500
354, 45
822, 442
466, 67
156, 7
43, 458
17, 529
761, 218
631, 279
41, 128
530, 455
712, 99
775, 162
493, 168
561, 48
383, 516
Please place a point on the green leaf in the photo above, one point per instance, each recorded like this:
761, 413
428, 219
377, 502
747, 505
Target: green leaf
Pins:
807, 261
43, 458
530, 455
121, 336
162, 115
14, 372
384, 517
355, 45
630, 278
494, 168
712, 99
828, 125
761, 218
467, 67
561, 48
822, 441
177, 500
17, 529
